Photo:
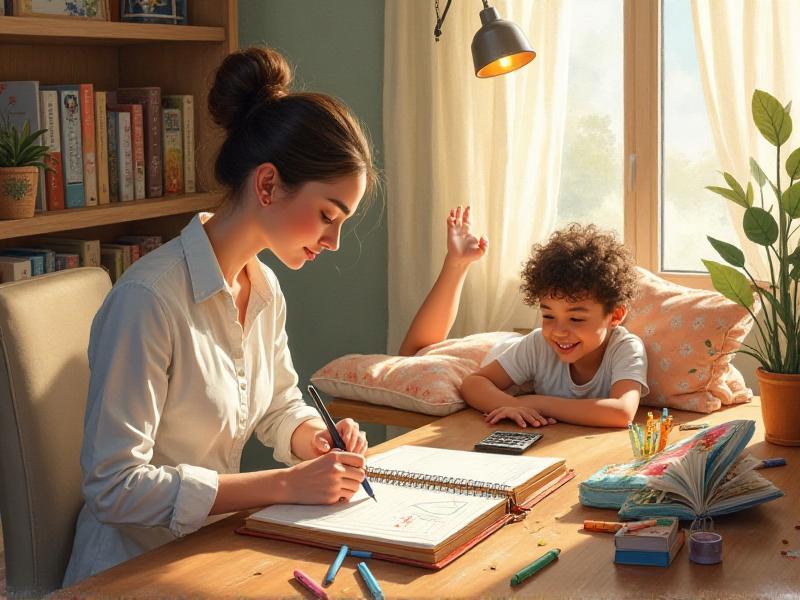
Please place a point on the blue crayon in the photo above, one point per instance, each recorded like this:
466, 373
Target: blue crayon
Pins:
768, 463
372, 584
360, 553
334, 568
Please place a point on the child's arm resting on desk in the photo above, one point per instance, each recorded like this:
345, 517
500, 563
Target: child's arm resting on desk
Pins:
483, 390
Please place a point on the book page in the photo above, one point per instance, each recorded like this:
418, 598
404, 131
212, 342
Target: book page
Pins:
460, 464
411, 516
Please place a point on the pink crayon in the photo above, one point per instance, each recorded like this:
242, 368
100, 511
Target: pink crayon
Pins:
310, 584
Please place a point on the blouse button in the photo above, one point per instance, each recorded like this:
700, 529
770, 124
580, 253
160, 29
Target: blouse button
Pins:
242, 385
241, 372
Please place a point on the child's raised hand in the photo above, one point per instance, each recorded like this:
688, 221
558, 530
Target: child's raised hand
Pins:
462, 245
521, 415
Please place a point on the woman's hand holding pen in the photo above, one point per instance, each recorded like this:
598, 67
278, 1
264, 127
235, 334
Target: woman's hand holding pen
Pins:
355, 440
330, 478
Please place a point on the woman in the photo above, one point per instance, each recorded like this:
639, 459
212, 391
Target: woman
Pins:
189, 354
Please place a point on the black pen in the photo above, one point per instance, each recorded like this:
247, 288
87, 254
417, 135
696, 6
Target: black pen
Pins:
337, 439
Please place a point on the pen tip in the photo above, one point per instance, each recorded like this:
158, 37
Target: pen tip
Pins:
374, 498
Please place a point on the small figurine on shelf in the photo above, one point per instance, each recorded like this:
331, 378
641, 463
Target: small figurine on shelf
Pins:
170, 12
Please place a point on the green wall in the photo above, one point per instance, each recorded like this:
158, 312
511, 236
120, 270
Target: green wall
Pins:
337, 304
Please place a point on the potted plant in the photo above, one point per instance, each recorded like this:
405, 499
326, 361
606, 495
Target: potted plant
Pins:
21, 157
777, 346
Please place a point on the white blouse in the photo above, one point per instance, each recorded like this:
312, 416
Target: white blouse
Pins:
177, 387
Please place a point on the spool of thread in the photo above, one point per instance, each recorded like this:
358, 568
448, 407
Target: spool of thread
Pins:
705, 547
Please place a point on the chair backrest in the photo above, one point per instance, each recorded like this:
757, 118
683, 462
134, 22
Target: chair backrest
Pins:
44, 379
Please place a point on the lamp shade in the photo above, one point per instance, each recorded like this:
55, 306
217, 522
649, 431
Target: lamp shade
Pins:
499, 46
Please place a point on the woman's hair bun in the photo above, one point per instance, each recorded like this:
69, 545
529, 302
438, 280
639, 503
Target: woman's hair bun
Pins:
245, 79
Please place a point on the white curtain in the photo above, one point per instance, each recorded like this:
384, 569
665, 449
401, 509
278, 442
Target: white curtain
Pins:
452, 138
744, 45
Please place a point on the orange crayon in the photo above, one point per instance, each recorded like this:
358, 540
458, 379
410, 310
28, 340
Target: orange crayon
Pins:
602, 526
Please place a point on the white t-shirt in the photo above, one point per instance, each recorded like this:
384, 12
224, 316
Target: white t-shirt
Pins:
530, 359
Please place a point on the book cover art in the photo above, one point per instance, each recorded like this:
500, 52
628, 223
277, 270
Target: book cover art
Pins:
150, 99
186, 104
173, 151
612, 484
69, 108
101, 146
88, 135
54, 177
20, 103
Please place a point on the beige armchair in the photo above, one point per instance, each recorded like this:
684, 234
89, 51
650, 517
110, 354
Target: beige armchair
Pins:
44, 378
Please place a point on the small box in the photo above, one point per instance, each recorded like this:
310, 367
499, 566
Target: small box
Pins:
13, 268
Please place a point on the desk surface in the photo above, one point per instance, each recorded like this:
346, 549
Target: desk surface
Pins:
215, 562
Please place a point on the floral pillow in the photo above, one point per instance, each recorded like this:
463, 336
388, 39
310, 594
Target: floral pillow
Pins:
688, 335
427, 382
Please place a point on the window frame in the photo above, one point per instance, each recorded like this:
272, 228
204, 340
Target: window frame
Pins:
643, 141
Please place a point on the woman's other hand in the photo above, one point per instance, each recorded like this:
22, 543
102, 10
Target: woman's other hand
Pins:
354, 439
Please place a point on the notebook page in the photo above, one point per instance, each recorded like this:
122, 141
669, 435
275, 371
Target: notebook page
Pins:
476, 466
412, 516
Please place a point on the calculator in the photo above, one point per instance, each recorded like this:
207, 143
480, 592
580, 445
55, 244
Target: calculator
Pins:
507, 442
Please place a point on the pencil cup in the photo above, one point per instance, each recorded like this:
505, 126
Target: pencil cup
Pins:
650, 439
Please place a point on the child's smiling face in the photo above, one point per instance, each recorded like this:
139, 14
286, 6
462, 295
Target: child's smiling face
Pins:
578, 330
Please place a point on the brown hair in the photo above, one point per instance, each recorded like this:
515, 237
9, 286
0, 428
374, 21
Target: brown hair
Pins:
307, 136
580, 262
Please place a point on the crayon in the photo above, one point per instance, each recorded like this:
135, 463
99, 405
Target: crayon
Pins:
768, 463
360, 554
637, 525
335, 565
602, 526
372, 583
311, 585
536, 566
692, 426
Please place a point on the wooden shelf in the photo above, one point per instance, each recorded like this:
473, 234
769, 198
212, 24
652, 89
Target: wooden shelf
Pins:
43, 30
118, 212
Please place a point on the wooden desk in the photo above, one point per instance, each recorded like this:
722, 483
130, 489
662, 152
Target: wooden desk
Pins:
217, 563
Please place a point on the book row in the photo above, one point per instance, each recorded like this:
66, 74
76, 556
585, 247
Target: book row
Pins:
106, 146
56, 253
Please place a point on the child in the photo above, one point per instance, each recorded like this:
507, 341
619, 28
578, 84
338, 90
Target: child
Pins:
585, 367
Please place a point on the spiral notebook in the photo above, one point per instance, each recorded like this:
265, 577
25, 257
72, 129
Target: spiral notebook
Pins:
433, 504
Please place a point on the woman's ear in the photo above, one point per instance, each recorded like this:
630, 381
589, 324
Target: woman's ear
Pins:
618, 315
265, 181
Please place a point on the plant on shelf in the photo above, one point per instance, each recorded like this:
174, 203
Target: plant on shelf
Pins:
777, 345
21, 157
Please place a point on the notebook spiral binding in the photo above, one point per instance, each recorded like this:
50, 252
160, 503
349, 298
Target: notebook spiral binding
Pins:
468, 487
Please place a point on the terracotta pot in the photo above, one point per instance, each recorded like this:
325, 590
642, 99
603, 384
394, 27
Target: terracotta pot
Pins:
18, 192
780, 407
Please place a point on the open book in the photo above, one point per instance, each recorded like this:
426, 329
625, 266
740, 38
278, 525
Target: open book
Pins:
432, 506
705, 475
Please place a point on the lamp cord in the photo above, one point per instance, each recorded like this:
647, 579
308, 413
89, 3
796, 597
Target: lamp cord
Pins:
437, 30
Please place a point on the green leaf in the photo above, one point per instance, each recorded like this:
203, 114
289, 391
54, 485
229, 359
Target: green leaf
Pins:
788, 107
735, 186
794, 258
760, 226
771, 118
730, 283
757, 173
729, 194
749, 196
793, 165
790, 202
729, 253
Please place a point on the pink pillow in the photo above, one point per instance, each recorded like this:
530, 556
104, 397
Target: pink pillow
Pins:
688, 335
427, 382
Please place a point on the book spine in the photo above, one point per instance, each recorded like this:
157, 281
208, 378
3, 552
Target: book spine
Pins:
150, 98
113, 156
137, 132
125, 158
187, 113
173, 151
101, 143
71, 148
53, 178
88, 135
14, 269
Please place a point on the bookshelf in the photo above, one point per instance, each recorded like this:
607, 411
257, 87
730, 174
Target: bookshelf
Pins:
181, 59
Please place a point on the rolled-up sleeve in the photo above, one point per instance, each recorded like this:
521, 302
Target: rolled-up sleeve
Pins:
130, 358
287, 409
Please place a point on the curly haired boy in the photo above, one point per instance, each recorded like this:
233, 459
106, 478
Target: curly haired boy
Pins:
584, 366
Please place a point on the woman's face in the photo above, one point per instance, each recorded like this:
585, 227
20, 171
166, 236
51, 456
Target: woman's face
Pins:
303, 224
